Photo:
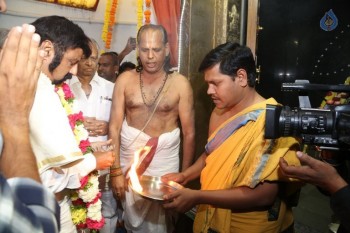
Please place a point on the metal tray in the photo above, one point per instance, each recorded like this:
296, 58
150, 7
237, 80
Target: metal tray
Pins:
154, 188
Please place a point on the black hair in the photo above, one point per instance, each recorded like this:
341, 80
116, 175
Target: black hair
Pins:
126, 65
64, 34
232, 57
165, 40
114, 57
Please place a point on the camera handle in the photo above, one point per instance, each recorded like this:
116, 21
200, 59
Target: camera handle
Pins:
303, 85
304, 101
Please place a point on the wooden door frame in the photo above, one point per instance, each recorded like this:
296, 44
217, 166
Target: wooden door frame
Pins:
252, 25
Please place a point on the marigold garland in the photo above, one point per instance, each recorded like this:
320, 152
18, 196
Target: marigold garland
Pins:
143, 13
147, 12
139, 12
109, 21
86, 203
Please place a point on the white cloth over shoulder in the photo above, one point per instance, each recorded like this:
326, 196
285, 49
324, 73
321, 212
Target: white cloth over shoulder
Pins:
141, 215
52, 139
54, 146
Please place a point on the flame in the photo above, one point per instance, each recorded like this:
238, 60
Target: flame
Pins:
134, 179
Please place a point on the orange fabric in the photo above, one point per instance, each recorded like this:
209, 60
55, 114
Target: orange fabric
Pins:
168, 15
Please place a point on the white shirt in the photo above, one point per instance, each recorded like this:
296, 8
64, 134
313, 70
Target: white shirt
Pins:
53, 141
99, 102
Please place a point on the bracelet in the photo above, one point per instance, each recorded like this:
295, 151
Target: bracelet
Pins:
116, 174
115, 167
115, 171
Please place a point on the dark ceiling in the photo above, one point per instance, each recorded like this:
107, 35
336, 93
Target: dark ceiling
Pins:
292, 45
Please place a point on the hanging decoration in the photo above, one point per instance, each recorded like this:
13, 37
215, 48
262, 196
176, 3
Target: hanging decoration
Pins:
139, 14
143, 13
109, 21
147, 12
90, 5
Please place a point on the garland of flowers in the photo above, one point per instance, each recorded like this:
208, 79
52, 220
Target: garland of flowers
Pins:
139, 12
143, 14
86, 203
147, 12
109, 21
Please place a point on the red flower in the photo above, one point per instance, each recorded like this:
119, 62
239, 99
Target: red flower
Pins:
91, 224
84, 181
98, 196
84, 145
68, 94
75, 119
80, 116
78, 202
81, 225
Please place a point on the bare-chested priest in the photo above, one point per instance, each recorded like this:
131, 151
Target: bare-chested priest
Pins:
147, 105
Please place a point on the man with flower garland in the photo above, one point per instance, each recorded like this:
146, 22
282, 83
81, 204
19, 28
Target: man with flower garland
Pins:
93, 96
60, 160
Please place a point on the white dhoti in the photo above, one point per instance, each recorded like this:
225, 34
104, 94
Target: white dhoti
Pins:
67, 225
141, 215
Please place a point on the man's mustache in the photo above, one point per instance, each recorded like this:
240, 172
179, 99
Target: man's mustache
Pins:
66, 77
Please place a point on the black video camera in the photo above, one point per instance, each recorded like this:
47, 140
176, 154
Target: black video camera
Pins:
327, 128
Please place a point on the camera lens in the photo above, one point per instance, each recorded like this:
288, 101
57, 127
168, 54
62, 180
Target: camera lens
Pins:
305, 121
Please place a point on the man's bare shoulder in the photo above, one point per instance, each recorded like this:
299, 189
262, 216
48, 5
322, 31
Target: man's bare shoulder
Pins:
179, 77
181, 82
217, 117
127, 77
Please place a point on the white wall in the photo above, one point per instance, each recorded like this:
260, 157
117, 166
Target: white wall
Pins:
26, 11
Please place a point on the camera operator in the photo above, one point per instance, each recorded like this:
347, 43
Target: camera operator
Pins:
326, 177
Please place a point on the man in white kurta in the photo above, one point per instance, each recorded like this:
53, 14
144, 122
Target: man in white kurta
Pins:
54, 146
97, 104
60, 160
93, 96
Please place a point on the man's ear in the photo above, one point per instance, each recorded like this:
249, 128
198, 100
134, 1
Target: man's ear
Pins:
48, 48
242, 77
